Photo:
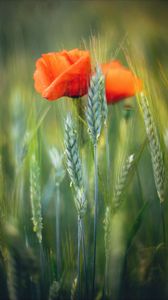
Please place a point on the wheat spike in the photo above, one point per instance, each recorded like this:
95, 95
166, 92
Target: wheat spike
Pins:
72, 155
107, 231
74, 166
95, 106
155, 148
35, 196
122, 180
103, 100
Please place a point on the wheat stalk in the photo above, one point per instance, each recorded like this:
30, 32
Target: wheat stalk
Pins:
107, 223
2, 202
73, 289
95, 114
35, 197
12, 277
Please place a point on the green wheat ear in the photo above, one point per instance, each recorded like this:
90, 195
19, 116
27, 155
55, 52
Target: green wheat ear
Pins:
122, 180
107, 220
72, 154
103, 100
96, 109
35, 197
74, 166
155, 148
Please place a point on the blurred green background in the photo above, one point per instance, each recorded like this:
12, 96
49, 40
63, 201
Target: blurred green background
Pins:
112, 30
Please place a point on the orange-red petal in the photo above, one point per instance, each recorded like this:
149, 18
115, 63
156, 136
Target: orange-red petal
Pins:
64, 73
42, 76
73, 82
120, 82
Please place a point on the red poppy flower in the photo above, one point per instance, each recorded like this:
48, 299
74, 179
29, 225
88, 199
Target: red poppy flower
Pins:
64, 73
120, 82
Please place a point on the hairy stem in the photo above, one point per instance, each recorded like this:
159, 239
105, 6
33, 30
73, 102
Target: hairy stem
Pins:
95, 218
84, 258
107, 160
58, 252
163, 223
78, 261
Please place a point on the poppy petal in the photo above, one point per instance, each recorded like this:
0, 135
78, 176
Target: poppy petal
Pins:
64, 73
42, 76
120, 82
73, 82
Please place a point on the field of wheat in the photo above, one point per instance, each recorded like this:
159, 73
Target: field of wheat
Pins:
83, 150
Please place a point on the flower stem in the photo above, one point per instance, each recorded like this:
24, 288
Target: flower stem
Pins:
84, 257
80, 116
78, 262
57, 206
95, 218
163, 223
107, 160
42, 269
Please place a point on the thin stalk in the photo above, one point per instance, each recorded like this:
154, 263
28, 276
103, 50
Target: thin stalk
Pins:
107, 159
42, 269
106, 275
34, 289
58, 252
104, 286
163, 223
84, 257
140, 188
78, 262
80, 118
104, 293
95, 218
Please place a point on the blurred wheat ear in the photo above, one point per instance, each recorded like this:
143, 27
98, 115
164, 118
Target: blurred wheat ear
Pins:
122, 179
156, 154
22, 266
155, 148
35, 196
